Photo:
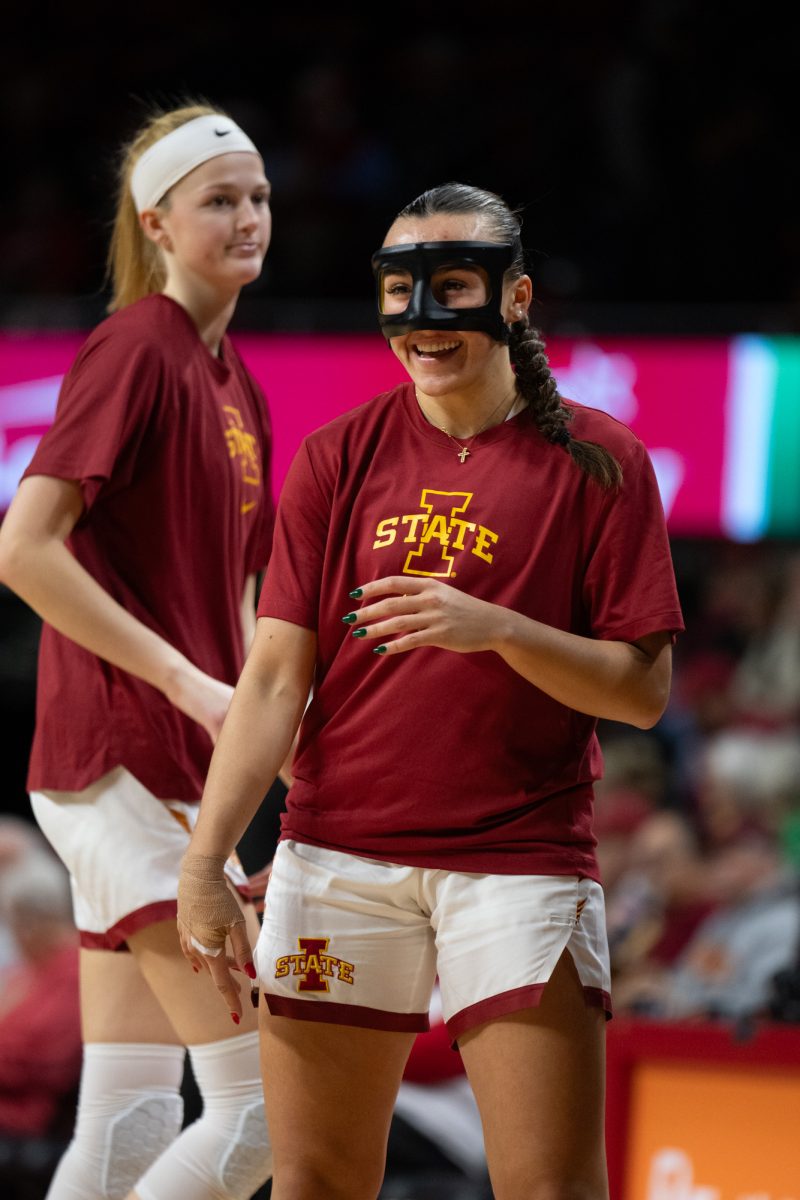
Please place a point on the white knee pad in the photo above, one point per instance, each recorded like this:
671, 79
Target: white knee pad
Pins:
225, 1154
228, 1158
136, 1138
129, 1111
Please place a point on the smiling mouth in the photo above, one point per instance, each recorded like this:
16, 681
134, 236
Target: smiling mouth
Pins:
435, 349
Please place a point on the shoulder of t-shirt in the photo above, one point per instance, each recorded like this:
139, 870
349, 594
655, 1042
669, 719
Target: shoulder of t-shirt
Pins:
153, 327
350, 437
595, 425
360, 419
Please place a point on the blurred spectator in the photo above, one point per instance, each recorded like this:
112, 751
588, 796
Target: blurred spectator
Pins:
737, 588
618, 814
702, 689
765, 686
634, 785
634, 763
18, 839
697, 891
729, 965
659, 900
748, 781
40, 1039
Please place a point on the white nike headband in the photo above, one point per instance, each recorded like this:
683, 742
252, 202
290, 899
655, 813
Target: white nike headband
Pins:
179, 152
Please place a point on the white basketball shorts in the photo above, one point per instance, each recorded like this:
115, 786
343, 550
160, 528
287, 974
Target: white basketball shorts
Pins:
357, 941
122, 847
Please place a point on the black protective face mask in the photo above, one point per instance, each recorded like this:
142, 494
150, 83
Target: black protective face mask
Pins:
426, 263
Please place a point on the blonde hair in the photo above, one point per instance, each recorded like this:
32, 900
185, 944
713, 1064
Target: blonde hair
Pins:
135, 265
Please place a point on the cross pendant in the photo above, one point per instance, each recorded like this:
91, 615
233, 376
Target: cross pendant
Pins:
463, 453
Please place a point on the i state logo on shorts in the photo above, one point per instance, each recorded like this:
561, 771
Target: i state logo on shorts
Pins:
313, 966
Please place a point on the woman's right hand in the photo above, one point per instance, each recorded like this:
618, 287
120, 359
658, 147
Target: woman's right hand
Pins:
200, 696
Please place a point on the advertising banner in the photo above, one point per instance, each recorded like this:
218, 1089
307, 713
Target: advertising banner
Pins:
699, 1132
720, 417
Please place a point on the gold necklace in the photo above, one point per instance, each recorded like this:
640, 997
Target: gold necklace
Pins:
463, 447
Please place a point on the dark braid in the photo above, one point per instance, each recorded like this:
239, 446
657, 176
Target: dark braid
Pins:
536, 384
535, 381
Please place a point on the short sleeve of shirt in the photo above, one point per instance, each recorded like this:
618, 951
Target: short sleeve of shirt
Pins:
106, 401
291, 587
629, 584
260, 545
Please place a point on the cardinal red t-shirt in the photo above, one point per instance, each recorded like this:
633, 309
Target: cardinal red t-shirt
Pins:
434, 758
171, 447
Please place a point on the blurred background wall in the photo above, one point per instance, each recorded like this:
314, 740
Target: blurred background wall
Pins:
649, 141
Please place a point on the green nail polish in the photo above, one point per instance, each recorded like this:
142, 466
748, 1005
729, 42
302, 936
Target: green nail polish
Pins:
379, 650
359, 633
349, 618
357, 594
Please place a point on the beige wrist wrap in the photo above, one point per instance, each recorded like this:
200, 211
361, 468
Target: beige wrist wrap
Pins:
206, 907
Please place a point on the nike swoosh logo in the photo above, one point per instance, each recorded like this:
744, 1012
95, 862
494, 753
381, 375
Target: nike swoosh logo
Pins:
245, 508
222, 132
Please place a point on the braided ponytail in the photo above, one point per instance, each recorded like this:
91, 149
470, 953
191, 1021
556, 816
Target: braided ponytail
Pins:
535, 381
536, 384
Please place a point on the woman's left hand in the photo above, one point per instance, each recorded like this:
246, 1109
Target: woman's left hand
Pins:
403, 613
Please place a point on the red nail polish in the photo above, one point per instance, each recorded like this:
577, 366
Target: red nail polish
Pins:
235, 1018
250, 970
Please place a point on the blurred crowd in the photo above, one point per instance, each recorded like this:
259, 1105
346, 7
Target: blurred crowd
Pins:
699, 821
40, 1040
646, 139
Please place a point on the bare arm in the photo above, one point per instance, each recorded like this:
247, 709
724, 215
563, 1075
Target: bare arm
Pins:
618, 681
36, 564
249, 611
266, 709
249, 629
615, 680
263, 718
